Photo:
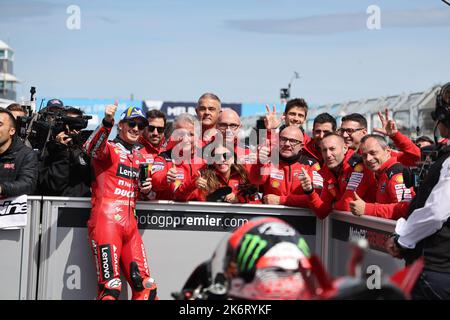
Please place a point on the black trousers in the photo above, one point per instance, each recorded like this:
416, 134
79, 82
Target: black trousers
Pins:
432, 285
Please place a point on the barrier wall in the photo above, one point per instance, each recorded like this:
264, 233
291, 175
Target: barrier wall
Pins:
344, 227
19, 262
177, 237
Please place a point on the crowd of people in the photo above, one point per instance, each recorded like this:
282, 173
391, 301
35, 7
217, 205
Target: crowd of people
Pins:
202, 159
343, 168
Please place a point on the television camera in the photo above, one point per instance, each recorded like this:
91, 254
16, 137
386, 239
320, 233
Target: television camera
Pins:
38, 128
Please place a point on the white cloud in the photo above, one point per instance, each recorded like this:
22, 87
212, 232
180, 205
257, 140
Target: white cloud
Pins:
347, 22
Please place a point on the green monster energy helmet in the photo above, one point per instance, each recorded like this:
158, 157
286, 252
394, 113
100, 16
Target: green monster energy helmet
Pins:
262, 260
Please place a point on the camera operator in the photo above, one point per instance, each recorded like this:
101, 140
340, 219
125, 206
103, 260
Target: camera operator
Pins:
426, 232
65, 168
18, 163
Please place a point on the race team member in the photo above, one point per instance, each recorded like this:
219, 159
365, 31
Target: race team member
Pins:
153, 136
175, 170
354, 128
208, 109
224, 172
323, 124
112, 226
228, 125
294, 113
153, 141
390, 186
343, 174
281, 181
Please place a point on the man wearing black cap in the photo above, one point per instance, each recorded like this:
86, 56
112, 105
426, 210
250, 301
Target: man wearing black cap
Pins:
18, 163
54, 105
426, 231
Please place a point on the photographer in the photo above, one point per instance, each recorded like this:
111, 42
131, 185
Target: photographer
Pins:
65, 168
426, 232
18, 163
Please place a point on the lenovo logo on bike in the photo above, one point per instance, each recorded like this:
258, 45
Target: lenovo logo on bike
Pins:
127, 172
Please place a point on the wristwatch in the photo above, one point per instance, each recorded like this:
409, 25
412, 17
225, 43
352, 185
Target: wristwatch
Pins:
399, 246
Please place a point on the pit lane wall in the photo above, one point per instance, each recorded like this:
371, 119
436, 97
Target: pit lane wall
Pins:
58, 263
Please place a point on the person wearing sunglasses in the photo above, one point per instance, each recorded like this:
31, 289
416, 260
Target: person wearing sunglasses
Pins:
221, 180
174, 171
112, 226
281, 181
153, 136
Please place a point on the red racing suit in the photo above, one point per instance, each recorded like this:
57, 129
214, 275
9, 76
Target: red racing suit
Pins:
112, 226
337, 191
283, 179
390, 189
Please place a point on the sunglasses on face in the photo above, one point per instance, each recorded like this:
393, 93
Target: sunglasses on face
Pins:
133, 123
159, 129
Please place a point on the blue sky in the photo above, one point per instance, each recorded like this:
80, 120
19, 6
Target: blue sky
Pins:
244, 51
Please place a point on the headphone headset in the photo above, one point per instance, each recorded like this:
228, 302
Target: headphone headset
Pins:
442, 111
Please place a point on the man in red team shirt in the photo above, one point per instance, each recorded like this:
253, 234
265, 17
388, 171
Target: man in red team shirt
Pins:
112, 226
323, 124
354, 128
175, 170
389, 188
343, 174
153, 136
208, 110
281, 181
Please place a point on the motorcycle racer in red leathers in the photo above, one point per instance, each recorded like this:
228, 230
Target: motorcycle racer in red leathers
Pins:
112, 226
